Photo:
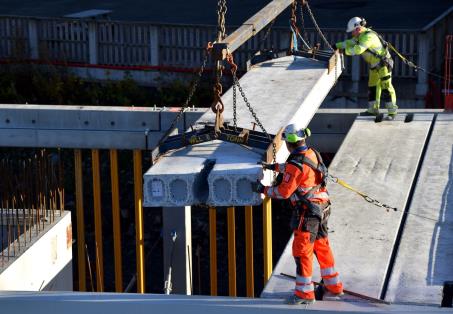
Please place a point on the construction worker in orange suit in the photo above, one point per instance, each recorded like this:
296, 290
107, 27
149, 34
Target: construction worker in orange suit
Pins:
303, 183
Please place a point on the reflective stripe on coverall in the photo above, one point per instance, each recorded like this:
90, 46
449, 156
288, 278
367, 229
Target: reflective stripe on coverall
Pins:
368, 44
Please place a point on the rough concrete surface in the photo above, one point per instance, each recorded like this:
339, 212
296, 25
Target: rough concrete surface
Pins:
379, 159
192, 179
113, 303
281, 91
425, 255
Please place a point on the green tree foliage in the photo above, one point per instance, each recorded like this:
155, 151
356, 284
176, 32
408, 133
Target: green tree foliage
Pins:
48, 84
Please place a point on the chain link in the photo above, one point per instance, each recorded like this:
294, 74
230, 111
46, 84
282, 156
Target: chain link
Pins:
269, 29
221, 12
317, 27
189, 97
302, 22
235, 123
255, 117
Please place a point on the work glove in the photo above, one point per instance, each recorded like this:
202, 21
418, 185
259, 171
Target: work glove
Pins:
266, 165
257, 187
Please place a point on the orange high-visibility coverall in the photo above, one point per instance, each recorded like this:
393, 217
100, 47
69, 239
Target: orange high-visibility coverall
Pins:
310, 230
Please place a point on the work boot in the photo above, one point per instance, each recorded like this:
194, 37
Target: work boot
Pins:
324, 294
295, 300
329, 294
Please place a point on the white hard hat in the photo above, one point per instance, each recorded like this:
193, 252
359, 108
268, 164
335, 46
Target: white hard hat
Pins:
293, 134
354, 23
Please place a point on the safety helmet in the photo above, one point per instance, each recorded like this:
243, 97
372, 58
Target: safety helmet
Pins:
354, 23
293, 134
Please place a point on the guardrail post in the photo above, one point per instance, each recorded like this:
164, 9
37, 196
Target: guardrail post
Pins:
423, 61
139, 225
154, 45
213, 249
92, 42
33, 39
267, 238
80, 219
231, 251
249, 252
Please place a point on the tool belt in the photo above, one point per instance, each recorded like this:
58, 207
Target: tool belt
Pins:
384, 62
320, 211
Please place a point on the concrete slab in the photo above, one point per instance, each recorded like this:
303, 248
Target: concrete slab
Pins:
281, 91
185, 176
380, 159
87, 126
117, 303
425, 255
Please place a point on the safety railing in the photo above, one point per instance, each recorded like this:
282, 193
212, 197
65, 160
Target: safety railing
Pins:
146, 44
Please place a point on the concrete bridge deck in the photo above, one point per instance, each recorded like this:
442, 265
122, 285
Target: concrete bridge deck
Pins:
383, 160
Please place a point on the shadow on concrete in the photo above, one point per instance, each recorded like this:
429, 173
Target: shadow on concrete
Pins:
441, 251
295, 65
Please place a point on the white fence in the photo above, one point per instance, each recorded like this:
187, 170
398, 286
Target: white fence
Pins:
144, 44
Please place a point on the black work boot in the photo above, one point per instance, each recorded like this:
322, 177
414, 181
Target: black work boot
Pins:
295, 300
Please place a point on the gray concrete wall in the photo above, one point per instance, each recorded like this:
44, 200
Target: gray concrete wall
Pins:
88, 126
46, 264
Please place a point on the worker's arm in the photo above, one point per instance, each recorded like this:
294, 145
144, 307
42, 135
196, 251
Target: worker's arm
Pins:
286, 188
354, 47
345, 44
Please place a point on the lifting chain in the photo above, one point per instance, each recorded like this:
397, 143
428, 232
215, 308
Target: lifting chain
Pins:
321, 34
234, 68
221, 12
269, 29
302, 22
191, 93
317, 27
217, 105
249, 106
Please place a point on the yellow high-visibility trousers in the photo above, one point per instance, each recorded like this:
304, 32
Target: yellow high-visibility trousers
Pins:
380, 84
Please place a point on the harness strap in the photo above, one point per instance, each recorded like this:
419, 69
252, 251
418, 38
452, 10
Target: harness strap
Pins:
384, 59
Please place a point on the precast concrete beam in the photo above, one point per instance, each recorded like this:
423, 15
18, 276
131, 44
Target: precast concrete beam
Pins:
381, 160
88, 126
281, 91
187, 176
424, 259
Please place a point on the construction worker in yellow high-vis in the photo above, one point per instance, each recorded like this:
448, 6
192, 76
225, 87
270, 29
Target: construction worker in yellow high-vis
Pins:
374, 51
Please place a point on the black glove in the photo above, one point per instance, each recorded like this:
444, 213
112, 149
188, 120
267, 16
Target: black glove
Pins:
257, 187
266, 165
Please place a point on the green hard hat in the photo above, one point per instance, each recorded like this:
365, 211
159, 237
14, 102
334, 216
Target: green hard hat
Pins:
293, 134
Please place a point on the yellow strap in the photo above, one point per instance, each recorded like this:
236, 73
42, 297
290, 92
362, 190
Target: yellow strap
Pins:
342, 183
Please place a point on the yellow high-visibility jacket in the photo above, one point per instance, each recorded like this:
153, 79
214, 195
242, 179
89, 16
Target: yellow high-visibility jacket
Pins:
368, 45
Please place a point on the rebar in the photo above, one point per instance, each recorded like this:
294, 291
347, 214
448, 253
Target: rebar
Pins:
31, 197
